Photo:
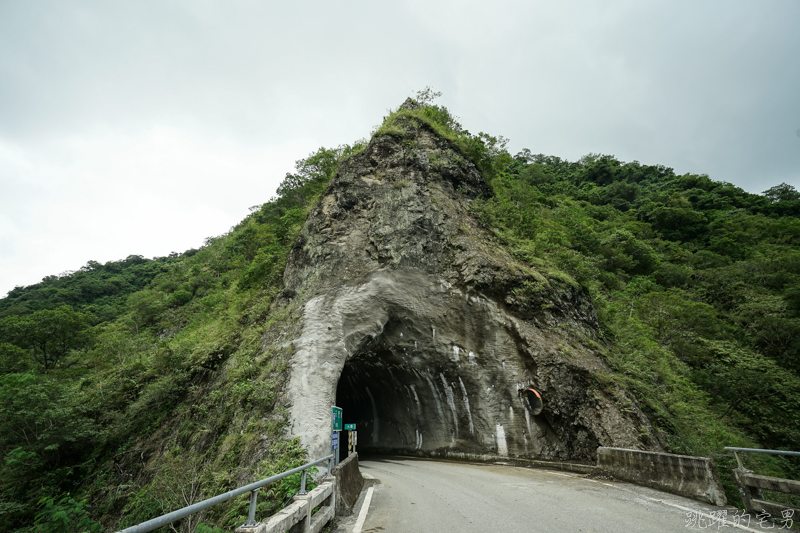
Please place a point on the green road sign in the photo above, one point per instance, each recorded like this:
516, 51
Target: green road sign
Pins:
337, 418
350, 427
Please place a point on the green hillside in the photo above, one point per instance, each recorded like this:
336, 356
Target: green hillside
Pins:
123, 381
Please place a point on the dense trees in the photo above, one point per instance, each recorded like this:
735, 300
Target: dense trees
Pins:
99, 289
48, 335
695, 281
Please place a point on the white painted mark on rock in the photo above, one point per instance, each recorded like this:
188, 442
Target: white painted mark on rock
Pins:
502, 446
528, 421
466, 404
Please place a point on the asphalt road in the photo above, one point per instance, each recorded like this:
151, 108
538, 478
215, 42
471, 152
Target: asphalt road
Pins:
417, 495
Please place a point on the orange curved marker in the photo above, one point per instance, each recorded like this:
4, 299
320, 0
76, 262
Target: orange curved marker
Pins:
536, 405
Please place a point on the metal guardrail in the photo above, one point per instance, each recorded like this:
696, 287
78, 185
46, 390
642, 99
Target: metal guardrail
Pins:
252, 488
757, 450
750, 486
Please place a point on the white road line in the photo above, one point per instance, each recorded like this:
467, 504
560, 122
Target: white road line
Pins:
362, 516
681, 507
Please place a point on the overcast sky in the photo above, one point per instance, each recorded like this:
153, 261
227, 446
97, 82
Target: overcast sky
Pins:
144, 127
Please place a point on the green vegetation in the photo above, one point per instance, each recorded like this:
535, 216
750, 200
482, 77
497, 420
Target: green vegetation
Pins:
48, 335
141, 386
695, 285
486, 152
100, 290
123, 382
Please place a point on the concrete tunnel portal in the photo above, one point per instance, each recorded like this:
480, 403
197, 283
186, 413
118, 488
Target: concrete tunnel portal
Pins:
420, 369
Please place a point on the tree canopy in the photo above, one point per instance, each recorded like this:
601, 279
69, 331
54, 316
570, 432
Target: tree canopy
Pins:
49, 335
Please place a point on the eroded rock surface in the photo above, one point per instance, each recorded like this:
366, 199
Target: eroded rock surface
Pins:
425, 330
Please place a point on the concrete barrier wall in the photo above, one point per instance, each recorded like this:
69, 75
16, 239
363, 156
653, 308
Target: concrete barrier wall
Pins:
348, 484
693, 477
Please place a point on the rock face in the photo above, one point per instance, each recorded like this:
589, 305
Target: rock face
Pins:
425, 330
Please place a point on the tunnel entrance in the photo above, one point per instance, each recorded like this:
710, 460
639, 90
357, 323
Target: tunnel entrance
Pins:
404, 399
378, 393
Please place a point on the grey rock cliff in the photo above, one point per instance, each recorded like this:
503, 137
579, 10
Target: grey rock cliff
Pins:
425, 330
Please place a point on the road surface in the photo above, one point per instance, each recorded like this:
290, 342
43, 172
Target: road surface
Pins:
420, 495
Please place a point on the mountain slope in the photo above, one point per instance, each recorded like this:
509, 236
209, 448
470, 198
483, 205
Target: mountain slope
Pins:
669, 302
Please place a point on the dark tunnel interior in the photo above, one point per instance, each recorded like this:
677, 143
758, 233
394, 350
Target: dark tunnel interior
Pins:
397, 408
367, 392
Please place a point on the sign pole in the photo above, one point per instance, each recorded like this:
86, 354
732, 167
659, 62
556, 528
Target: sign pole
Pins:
351, 438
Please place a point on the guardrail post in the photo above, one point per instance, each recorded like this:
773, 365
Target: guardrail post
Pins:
745, 491
330, 465
302, 484
251, 515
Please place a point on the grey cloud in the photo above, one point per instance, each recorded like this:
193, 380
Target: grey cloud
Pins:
704, 87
